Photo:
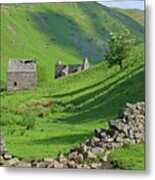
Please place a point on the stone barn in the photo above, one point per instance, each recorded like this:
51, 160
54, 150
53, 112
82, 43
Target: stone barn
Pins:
21, 74
66, 69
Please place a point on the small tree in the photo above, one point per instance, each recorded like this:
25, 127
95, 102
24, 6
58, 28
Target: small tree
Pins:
119, 46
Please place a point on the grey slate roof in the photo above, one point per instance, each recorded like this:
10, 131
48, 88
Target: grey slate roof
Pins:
21, 65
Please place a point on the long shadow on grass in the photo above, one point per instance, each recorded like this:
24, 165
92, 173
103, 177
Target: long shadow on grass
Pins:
100, 91
93, 85
63, 139
108, 105
85, 88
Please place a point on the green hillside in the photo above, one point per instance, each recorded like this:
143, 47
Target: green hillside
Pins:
135, 14
69, 31
68, 110
61, 113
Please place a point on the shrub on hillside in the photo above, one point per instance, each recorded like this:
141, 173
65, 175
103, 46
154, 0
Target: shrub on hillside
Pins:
2, 86
119, 47
28, 121
7, 119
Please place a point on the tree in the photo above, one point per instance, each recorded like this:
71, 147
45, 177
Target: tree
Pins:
119, 46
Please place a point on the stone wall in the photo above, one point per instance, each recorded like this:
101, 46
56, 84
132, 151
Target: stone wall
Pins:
128, 128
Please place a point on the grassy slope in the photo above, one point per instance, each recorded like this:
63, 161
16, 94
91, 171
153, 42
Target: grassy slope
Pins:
80, 103
136, 14
130, 157
47, 32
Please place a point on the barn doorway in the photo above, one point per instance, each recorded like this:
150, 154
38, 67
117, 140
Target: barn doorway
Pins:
15, 83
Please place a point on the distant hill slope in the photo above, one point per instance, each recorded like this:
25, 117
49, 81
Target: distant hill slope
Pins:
136, 14
69, 31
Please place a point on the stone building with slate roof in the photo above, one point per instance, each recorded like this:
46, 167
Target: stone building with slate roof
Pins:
21, 74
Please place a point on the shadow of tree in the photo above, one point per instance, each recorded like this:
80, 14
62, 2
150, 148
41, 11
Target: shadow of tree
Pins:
64, 139
101, 90
82, 90
108, 105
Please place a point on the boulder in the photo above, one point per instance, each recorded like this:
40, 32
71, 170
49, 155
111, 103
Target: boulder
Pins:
125, 129
110, 139
97, 150
7, 156
130, 106
57, 165
119, 139
117, 144
124, 113
24, 164
105, 157
78, 166
42, 164
92, 142
79, 158
114, 123
83, 148
138, 135
62, 158
115, 135
103, 134
12, 162
96, 140
73, 155
2, 161
102, 145
99, 132
90, 155
48, 160
71, 164
86, 166
95, 165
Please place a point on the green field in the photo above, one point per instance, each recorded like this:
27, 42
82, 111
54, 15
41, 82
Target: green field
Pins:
79, 104
130, 157
64, 112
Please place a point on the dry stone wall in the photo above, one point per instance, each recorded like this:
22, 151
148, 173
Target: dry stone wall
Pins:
129, 127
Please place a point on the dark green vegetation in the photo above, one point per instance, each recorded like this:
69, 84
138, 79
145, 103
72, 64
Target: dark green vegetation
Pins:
64, 112
129, 157
119, 46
